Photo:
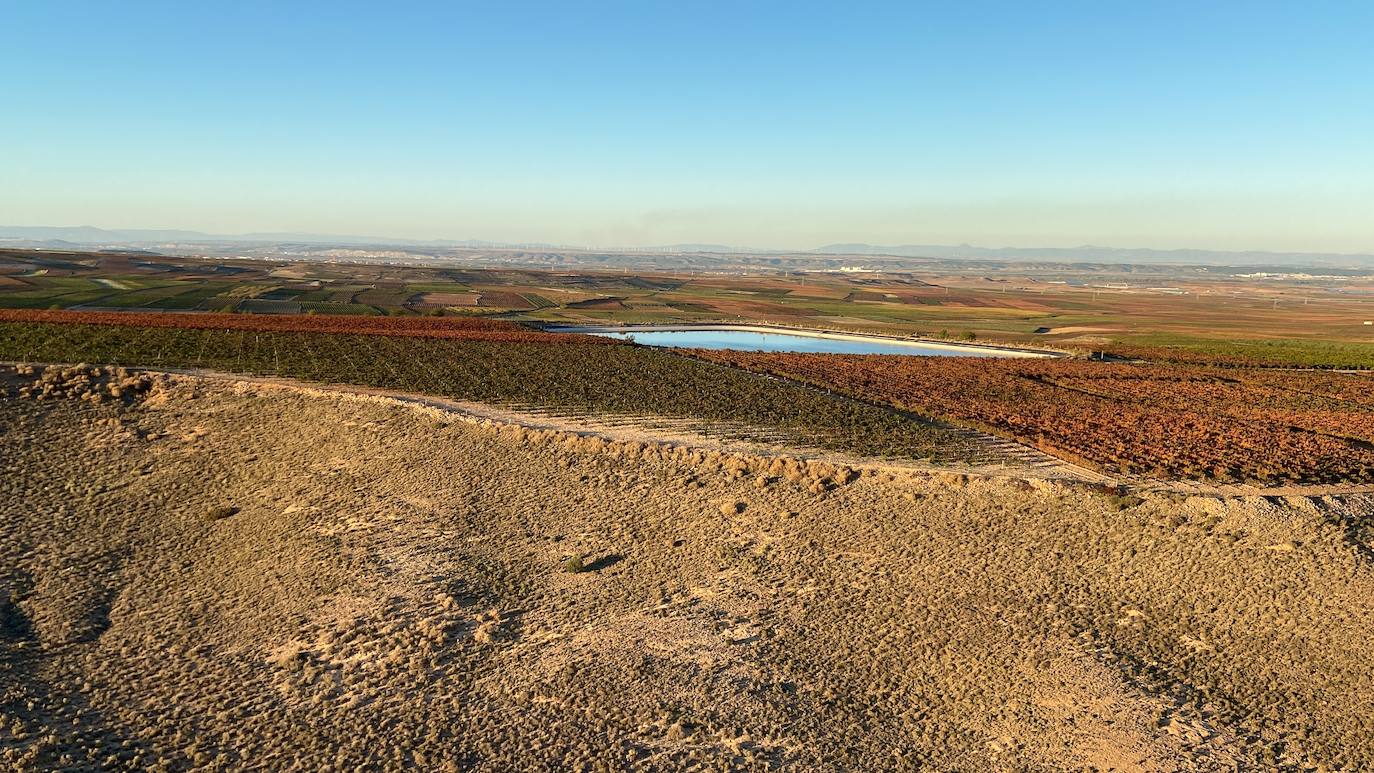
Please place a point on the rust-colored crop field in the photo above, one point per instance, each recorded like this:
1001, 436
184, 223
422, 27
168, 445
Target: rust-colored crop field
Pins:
1282, 355
1163, 421
461, 328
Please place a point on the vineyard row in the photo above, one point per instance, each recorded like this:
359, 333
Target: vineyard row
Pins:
1162, 421
572, 377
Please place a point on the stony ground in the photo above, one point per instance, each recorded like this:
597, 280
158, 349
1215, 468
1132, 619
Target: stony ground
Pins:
198, 575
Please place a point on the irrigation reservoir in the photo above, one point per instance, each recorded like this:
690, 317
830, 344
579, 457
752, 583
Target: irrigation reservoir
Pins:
758, 338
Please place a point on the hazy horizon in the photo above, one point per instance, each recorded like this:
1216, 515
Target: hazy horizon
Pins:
1229, 127
144, 236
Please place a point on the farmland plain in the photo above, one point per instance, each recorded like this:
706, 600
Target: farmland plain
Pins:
1191, 313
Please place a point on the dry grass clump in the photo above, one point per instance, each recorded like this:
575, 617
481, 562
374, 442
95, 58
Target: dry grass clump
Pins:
1117, 497
1124, 501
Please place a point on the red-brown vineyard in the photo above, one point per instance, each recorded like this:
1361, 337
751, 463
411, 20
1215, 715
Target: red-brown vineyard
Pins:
461, 328
1282, 355
1163, 421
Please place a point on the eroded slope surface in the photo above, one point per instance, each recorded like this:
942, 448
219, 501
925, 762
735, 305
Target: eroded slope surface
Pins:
198, 575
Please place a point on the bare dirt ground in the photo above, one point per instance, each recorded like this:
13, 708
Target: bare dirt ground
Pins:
200, 574
1013, 460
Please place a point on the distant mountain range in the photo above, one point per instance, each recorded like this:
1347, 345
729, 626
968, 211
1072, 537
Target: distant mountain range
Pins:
86, 236
90, 235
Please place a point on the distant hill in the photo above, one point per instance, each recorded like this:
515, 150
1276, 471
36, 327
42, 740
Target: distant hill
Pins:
1091, 253
89, 236
85, 234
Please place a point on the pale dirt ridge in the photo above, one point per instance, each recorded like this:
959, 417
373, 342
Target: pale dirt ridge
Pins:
206, 575
1002, 457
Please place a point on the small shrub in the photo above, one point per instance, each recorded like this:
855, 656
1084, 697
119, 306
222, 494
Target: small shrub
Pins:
574, 565
1123, 501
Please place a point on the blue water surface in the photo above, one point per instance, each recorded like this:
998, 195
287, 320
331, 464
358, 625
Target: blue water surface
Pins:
749, 341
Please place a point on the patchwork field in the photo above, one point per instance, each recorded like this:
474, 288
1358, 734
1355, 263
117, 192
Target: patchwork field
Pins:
1195, 314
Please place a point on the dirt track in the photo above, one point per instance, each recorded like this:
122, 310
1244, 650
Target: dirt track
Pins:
246, 576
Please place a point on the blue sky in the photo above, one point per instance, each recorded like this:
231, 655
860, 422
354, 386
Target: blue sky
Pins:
1218, 125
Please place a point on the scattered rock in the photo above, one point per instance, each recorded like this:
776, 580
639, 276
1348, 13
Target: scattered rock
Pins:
85, 382
221, 512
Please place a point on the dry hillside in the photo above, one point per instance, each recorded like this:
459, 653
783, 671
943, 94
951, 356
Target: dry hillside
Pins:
208, 576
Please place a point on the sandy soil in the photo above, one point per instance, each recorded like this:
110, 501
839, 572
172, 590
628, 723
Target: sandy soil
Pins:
198, 574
